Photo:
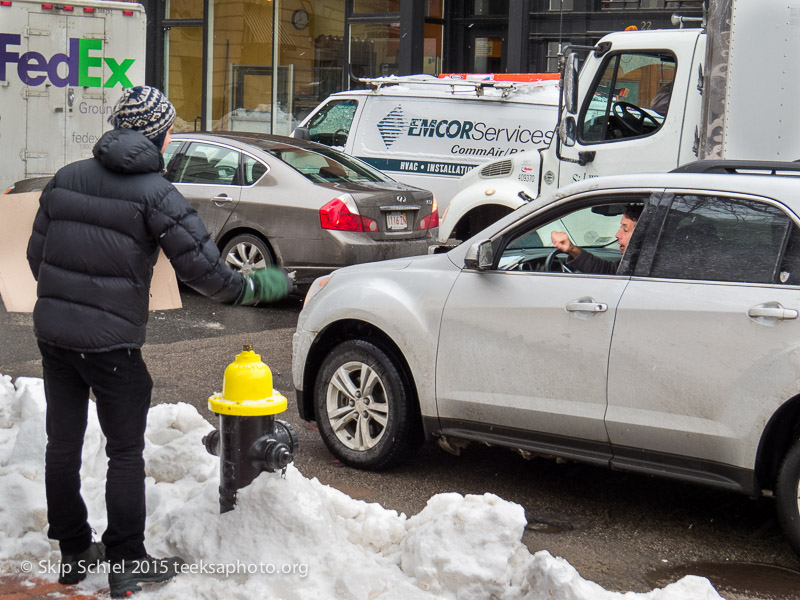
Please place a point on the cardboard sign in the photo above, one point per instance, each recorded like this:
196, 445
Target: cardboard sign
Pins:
17, 285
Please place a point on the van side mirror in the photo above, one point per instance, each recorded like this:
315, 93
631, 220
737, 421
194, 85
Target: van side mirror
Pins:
301, 133
480, 256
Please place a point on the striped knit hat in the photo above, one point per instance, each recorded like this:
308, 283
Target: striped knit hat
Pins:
146, 110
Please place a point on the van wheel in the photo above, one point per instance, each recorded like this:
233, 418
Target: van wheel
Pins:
365, 407
247, 252
787, 495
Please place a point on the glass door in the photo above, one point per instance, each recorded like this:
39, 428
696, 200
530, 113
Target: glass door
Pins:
183, 75
487, 50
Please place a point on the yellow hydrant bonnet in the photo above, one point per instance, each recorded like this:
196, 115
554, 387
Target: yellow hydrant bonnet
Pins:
247, 388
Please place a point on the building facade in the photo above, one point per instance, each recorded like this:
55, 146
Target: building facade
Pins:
262, 65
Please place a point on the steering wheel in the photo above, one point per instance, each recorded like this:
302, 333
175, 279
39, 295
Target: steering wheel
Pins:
632, 117
548, 263
340, 132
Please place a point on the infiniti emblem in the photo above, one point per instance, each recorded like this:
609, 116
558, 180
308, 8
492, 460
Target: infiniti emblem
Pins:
401, 198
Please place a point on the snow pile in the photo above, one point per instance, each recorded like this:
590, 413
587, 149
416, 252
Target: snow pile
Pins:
291, 537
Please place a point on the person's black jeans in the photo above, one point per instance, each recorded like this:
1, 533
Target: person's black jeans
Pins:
121, 386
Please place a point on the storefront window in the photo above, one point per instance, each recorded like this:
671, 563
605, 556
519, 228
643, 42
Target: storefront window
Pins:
489, 8
241, 60
184, 9
488, 54
310, 50
184, 52
432, 61
376, 6
313, 55
435, 9
374, 48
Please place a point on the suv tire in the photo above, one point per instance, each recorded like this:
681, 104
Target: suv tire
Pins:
788, 496
365, 407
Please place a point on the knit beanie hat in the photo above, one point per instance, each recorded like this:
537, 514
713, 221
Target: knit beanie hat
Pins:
146, 110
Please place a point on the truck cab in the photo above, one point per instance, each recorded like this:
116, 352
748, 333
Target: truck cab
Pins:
635, 107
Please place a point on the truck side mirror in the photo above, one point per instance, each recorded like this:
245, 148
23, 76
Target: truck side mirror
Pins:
567, 130
301, 133
480, 256
571, 84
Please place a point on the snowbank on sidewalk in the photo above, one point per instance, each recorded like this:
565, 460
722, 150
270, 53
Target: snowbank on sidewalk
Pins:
290, 538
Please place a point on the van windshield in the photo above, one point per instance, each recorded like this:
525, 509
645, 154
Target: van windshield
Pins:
331, 125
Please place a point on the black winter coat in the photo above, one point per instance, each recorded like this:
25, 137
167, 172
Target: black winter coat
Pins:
95, 241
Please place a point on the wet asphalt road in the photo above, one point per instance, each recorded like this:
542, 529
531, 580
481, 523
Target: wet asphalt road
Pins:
623, 531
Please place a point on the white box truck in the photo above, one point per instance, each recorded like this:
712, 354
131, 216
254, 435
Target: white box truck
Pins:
62, 69
428, 132
649, 101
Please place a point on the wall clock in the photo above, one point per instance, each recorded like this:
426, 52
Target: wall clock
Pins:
300, 19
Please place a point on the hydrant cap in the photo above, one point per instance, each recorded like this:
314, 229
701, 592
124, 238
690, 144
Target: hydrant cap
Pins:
247, 388
247, 378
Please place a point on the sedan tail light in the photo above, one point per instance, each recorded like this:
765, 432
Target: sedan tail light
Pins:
341, 214
432, 220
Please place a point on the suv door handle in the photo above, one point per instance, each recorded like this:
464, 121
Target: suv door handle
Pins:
222, 198
586, 305
772, 310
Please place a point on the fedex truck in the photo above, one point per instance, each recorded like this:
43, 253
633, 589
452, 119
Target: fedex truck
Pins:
428, 132
62, 69
649, 101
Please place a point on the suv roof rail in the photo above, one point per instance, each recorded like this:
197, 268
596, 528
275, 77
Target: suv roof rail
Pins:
742, 167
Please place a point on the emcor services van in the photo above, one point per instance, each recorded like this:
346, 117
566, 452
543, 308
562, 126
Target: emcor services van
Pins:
428, 132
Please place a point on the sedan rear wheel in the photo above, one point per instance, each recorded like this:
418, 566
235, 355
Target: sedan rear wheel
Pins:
247, 252
788, 496
366, 411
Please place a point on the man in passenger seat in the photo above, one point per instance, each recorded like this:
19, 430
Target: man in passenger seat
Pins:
586, 262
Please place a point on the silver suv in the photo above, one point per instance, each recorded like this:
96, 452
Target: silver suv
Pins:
679, 357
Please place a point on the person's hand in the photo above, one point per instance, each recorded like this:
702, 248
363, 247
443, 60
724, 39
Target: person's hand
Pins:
562, 243
264, 285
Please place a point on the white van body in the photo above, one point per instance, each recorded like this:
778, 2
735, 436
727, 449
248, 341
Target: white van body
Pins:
62, 69
428, 132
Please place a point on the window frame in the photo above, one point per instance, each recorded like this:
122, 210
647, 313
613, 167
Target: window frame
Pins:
238, 179
645, 259
651, 197
611, 56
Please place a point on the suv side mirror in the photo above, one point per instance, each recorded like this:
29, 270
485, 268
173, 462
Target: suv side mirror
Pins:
480, 256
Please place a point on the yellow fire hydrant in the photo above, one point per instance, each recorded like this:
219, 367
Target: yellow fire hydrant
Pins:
250, 440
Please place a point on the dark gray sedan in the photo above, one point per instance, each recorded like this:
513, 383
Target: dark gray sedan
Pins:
302, 206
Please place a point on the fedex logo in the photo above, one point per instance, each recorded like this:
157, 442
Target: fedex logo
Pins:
79, 65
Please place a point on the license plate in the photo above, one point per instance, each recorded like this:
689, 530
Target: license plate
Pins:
396, 220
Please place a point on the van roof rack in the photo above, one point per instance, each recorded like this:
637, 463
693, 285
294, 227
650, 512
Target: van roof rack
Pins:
742, 167
506, 87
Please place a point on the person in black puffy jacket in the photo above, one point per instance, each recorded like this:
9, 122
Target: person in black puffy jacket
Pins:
95, 241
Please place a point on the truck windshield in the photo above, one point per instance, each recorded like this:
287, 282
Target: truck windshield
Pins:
631, 97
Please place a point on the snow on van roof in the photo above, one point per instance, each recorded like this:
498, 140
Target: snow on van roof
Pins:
537, 92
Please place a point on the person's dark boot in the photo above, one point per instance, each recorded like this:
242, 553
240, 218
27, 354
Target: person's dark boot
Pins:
74, 567
131, 576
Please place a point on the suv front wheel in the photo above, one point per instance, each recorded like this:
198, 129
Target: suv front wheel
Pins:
788, 496
365, 407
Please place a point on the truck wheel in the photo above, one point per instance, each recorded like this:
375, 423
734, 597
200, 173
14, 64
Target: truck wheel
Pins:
247, 252
365, 408
787, 495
